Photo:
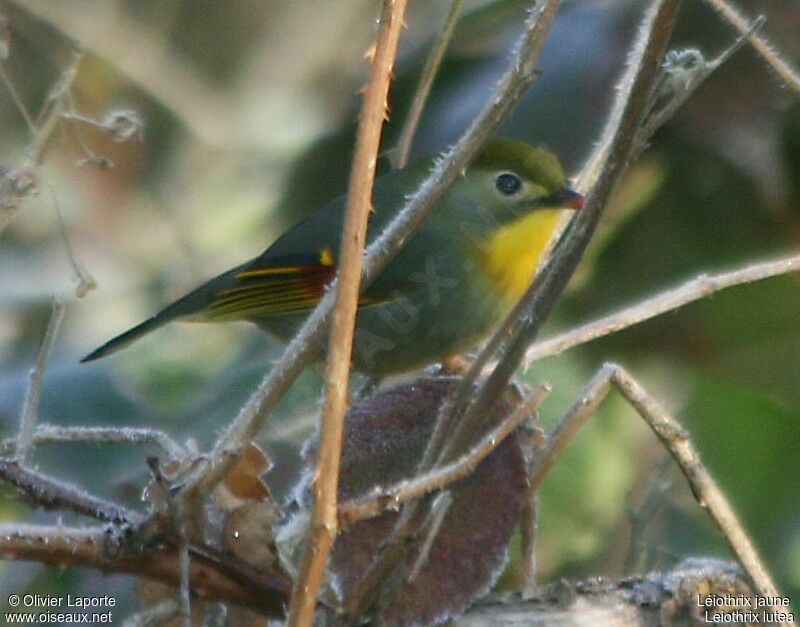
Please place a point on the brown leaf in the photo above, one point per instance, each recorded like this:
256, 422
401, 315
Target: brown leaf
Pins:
385, 436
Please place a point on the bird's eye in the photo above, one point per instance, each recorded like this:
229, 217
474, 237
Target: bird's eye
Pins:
507, 183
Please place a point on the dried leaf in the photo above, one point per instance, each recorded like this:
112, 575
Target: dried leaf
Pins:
385, 437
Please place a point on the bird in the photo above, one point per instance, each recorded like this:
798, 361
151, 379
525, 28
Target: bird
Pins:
442, 294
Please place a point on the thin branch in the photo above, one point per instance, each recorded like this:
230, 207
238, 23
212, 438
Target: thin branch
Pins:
567, 426
681, 74
33, 391
140, 55
784, 69
90, 156
413, 514
185, 576
706, 491
97, 548
324, 525
20, 104
675, 439
22, 184
86, 282
304, 346
603, 169
700, 287
45, 434
51, 112
399, 155
48, 492
536, 26
641, 515
529, 519
382, 499
438, 511
455, 403
519, 75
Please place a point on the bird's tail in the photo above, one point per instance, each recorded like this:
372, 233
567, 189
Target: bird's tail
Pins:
131, 335
192, 303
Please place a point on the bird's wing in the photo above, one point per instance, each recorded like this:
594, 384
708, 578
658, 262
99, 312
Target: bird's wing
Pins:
284, 285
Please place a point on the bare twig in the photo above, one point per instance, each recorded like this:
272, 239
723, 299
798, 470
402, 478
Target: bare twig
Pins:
48, 492
699, 287
457, 400
682, 73
139, 55
185, 576
20, 104
579, 412
439, 508
120, 125
603, 169
100, 435
50, 115
641, 515
381, 499
97, 548
675, 439
86, 282
708, 494
399, 155
529, 519
324, 525
784, 69
33, 392
23, 184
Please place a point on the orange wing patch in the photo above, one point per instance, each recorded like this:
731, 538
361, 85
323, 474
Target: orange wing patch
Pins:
279, 289
275, 290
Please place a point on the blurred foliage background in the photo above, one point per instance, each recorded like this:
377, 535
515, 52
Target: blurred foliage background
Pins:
250, 108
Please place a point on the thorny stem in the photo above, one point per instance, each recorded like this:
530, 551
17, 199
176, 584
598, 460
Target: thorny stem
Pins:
324, 525
518, 77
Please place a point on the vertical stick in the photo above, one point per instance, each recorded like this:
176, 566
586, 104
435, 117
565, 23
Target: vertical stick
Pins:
33, 392
324, 528
400, 156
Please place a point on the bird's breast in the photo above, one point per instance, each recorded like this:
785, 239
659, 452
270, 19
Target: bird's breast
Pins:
513, 252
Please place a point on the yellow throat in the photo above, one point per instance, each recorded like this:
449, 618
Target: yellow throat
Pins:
512, 254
